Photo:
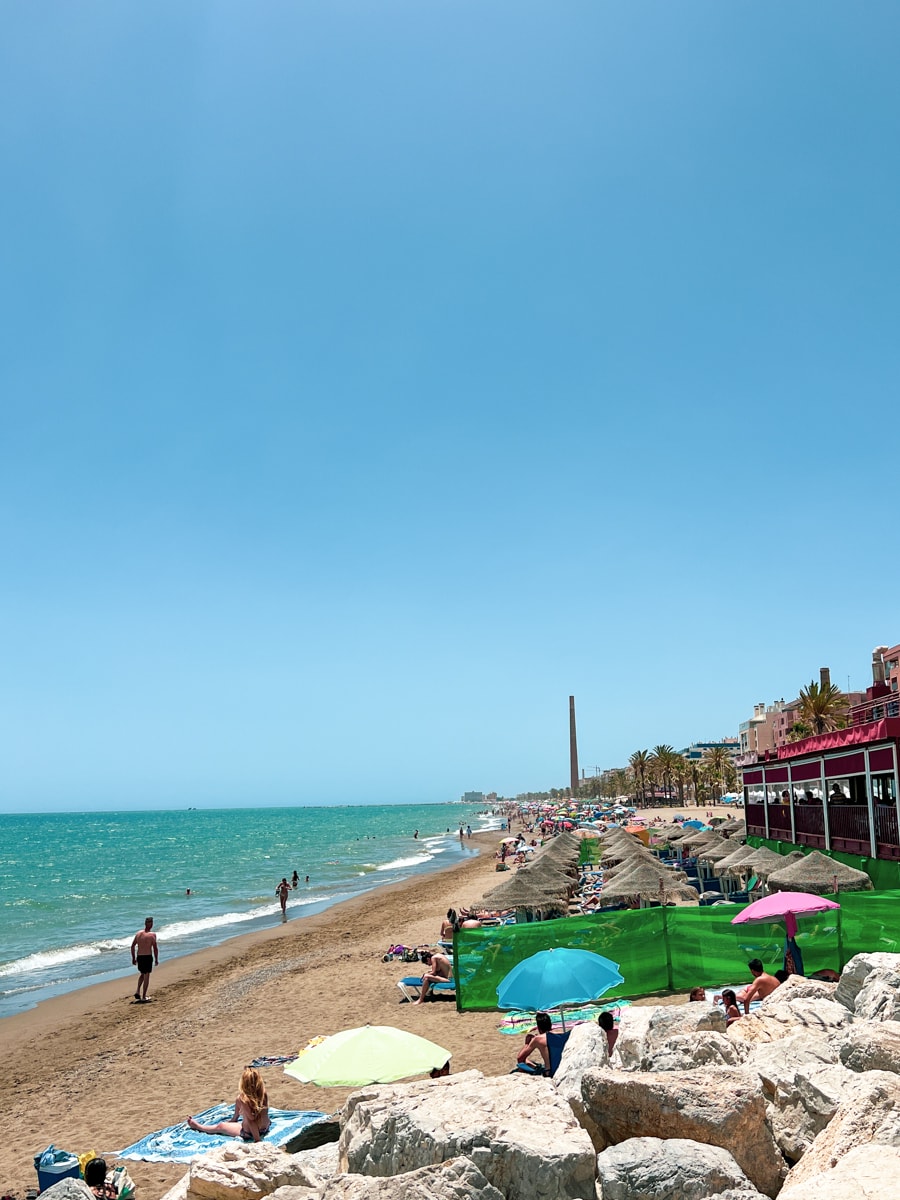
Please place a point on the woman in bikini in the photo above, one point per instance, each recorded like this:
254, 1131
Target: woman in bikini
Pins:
251, 1111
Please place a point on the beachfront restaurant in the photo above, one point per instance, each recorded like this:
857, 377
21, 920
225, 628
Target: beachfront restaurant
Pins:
836, 792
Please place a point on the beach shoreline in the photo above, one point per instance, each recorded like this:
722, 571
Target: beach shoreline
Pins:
92, 1070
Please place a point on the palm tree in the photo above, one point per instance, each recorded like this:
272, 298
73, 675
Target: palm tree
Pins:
640, 765
662, 760
695, 774
822, 707
719, 767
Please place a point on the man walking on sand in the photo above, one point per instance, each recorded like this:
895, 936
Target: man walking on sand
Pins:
144, 952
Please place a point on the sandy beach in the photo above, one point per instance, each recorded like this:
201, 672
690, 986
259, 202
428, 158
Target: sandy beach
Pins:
95, 1071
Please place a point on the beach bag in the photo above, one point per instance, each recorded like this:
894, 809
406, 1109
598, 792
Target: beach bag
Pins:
410, 955
120, 1181
52, 1165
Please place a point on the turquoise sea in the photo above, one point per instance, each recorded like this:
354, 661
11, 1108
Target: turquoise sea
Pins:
75, 887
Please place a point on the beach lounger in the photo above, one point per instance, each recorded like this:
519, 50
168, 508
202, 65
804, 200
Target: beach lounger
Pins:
411, 987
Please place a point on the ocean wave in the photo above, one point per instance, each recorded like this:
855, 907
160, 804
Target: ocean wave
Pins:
418, 861
50, 959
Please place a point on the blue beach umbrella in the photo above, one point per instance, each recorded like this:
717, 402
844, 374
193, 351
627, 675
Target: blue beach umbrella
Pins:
552, 978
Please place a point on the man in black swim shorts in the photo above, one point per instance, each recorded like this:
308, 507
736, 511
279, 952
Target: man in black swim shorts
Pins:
144, 952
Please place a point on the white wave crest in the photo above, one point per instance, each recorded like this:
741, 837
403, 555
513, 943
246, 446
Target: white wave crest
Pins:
418, 861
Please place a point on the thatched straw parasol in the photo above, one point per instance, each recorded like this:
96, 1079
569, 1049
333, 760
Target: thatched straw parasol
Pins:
519, 892
645, 883
732, 826
731, 865
816, 872
713, 852
762, 862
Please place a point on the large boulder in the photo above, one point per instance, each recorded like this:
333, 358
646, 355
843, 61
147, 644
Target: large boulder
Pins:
719, 1106
458, 1179
872, 1114
644, 1029
869, 1172
857, 970
872, 1047
516, 1129
775, 1019
879, 997
776, 1062
69, 1189
247, 1171
803, 1105
586, 1050
798, 987
685, 1051
649, 1168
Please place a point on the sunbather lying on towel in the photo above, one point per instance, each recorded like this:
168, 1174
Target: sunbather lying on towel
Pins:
251, 1111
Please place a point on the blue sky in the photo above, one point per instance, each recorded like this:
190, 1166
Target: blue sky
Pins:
374, 376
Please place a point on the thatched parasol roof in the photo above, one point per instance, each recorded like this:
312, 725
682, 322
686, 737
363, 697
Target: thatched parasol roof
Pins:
732, 826
762, 862
647, 884
521, 892
713, 852
816, 872
731, 865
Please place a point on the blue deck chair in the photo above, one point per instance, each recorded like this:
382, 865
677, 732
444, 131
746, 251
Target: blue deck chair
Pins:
556, 1043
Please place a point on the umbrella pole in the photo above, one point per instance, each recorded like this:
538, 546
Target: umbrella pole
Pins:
668, 951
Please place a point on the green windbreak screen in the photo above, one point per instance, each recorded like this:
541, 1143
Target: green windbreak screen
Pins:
677, 948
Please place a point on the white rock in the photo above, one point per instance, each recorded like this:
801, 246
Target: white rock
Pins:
774, 1020
246, 1171
649, 1168
855, 973
866, 1173
879, 997
776, 1062
644, 1029
872, 1047
685, 1051
69, 1189
457, 1179
719, 1106
871, 1115
586, 1050
517, 1130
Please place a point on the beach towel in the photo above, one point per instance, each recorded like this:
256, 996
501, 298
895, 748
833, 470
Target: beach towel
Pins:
272, 1060
521, 1022
181, 1144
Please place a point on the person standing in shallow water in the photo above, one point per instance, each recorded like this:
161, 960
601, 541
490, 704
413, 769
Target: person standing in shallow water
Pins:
282, 892
144, 951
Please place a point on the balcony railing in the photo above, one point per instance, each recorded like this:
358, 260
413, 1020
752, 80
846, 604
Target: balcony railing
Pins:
875, 710
848, 826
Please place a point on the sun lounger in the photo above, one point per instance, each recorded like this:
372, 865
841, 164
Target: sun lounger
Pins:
411, 987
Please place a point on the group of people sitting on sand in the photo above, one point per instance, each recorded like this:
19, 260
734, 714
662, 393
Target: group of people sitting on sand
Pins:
763, 984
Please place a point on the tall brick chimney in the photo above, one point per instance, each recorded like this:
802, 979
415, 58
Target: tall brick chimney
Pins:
824, 677
573, 746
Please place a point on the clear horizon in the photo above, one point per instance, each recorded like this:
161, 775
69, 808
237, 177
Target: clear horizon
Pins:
373, 379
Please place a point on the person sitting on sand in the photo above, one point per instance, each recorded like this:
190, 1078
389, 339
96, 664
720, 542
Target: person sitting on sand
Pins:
251, 1111
440, 970
95, 1178
732, 1012
449, 925
763, 984
607, 1023
536, 1040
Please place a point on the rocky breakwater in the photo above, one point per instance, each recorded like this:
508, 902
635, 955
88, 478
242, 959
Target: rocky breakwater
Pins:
799, 1100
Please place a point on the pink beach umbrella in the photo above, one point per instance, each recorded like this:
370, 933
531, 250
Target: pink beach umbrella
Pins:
789, 905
